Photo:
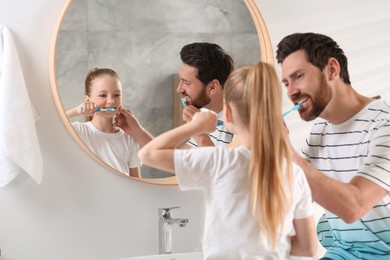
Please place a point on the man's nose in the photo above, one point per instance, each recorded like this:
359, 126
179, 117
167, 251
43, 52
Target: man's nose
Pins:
292, 92
179, 88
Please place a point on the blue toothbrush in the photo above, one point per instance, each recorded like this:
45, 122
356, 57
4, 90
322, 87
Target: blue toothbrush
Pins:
109, 109
296, 107
183, 102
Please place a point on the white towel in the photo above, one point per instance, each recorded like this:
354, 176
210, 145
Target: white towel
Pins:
19, 146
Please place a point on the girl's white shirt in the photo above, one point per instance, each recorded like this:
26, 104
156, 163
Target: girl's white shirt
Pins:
119, 150
230, 231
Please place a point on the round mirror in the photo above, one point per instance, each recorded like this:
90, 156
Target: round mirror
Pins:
141, 41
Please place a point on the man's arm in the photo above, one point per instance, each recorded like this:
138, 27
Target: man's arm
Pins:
135, 172
131, 126
350, 201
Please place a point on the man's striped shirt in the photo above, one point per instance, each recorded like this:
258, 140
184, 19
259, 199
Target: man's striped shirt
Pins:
357, 147
221, 137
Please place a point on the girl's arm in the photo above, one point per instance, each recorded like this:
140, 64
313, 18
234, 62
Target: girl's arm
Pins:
304, 242
72, 112
158, 153
135, 172
203, 139
84, 109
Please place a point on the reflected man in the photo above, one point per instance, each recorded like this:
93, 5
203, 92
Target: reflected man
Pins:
203, 72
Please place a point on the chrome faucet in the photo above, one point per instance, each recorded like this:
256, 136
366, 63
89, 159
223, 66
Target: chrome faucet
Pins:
165, 229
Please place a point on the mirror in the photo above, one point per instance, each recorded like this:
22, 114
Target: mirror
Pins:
141, 41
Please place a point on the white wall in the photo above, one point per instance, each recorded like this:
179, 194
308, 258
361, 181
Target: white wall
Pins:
81, 210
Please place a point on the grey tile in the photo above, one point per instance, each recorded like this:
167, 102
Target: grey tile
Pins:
76, 16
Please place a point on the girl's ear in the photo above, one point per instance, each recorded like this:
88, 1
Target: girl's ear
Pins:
228, 114
86, 98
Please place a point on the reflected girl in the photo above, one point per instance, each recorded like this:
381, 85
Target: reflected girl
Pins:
101, 132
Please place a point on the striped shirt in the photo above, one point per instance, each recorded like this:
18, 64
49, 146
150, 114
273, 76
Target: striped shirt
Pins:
357, 147
221, 137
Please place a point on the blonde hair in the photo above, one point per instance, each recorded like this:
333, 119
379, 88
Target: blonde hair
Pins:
255, 90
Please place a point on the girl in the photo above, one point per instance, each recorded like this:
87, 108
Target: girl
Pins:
104, 115
258, 202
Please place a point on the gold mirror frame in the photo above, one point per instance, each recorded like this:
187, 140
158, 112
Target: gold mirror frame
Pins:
266, 54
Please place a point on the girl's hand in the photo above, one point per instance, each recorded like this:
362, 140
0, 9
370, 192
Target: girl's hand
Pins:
205, 121
87, 109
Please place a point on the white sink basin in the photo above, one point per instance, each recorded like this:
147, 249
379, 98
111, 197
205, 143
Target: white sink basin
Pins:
180, 256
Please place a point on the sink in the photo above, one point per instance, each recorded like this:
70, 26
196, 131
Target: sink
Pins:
179, 256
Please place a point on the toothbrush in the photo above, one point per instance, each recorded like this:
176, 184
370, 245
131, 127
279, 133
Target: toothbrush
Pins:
183, 102
296, 107
109, 109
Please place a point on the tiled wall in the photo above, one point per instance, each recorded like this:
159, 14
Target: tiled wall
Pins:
141, 40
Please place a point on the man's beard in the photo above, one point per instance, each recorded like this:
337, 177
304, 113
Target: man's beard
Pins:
201, 100
319, 101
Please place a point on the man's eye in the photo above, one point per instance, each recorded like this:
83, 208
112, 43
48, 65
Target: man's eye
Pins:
299, 75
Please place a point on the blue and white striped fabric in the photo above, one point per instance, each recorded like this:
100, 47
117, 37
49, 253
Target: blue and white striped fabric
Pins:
324, 232
221, 137
357, 147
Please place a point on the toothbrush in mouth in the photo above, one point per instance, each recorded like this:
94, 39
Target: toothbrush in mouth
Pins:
296, 107
183, 102
100, 109
109, 109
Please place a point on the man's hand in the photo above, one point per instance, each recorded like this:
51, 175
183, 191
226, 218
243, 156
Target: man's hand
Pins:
188, 112
126, 120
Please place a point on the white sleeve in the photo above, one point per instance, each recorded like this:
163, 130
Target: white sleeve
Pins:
194, 167
376, 166
134, 161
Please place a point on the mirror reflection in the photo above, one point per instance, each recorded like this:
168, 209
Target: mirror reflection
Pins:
141, 41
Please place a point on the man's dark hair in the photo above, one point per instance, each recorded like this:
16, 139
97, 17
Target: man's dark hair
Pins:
210, 59
318, 49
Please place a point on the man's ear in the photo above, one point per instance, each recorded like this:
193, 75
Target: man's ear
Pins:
214, 86
333, 68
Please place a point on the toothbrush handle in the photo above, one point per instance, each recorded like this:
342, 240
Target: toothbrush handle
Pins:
285, 113
296, 107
